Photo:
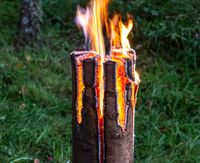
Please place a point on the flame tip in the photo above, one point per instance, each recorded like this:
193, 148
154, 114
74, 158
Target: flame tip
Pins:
94, 17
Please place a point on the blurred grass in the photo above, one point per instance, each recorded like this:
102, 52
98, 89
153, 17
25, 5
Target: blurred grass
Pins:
35, 107
167, 117
35, 85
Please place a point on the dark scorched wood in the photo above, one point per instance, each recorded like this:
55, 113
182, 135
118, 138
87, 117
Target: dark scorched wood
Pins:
85, 135
118, 143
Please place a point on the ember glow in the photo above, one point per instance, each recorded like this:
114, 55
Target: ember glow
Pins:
92, 21
80, 85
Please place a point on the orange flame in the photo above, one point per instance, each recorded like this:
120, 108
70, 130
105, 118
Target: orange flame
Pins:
92, 20
120, 32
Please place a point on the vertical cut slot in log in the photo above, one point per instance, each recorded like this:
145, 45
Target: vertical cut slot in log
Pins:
108, 138
118, 142
85, 134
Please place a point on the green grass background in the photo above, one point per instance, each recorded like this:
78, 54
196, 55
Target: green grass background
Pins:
35, 84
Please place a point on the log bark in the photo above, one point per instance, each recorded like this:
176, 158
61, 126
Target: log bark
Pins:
85, 135
118, 142
29, 23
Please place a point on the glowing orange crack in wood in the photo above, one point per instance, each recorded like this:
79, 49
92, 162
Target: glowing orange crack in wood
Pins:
80, 84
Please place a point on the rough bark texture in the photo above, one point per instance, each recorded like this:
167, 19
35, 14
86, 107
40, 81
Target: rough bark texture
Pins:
85, 135
118, 143
29, 23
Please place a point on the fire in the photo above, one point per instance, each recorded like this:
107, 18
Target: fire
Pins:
80, 85
121, 81
120, 32
93, 20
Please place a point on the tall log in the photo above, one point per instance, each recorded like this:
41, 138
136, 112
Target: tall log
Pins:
118, 142
85, 135
29, 23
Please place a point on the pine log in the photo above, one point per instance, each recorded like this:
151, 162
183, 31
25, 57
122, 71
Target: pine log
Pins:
118, 142
85, 135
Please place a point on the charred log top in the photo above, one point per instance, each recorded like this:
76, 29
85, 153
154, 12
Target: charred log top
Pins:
117, 139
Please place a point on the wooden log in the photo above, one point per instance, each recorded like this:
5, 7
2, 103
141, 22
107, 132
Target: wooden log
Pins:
118, 142
85, 135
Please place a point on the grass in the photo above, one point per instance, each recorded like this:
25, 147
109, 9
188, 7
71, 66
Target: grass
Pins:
35, 85
35, 107
167, 117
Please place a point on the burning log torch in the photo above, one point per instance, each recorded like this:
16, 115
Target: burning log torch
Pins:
104, 89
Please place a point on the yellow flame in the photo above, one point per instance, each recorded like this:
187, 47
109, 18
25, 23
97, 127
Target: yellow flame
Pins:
125, 30
82, 20
137, 78
120, 32
115, 32
92, 19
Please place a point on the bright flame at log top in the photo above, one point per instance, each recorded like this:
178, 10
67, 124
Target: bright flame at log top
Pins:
94, 18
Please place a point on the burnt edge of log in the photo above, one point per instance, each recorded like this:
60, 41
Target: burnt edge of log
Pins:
74, 98
129, 69
118, 143
89, 71
85, 135
130, 65
110, 78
